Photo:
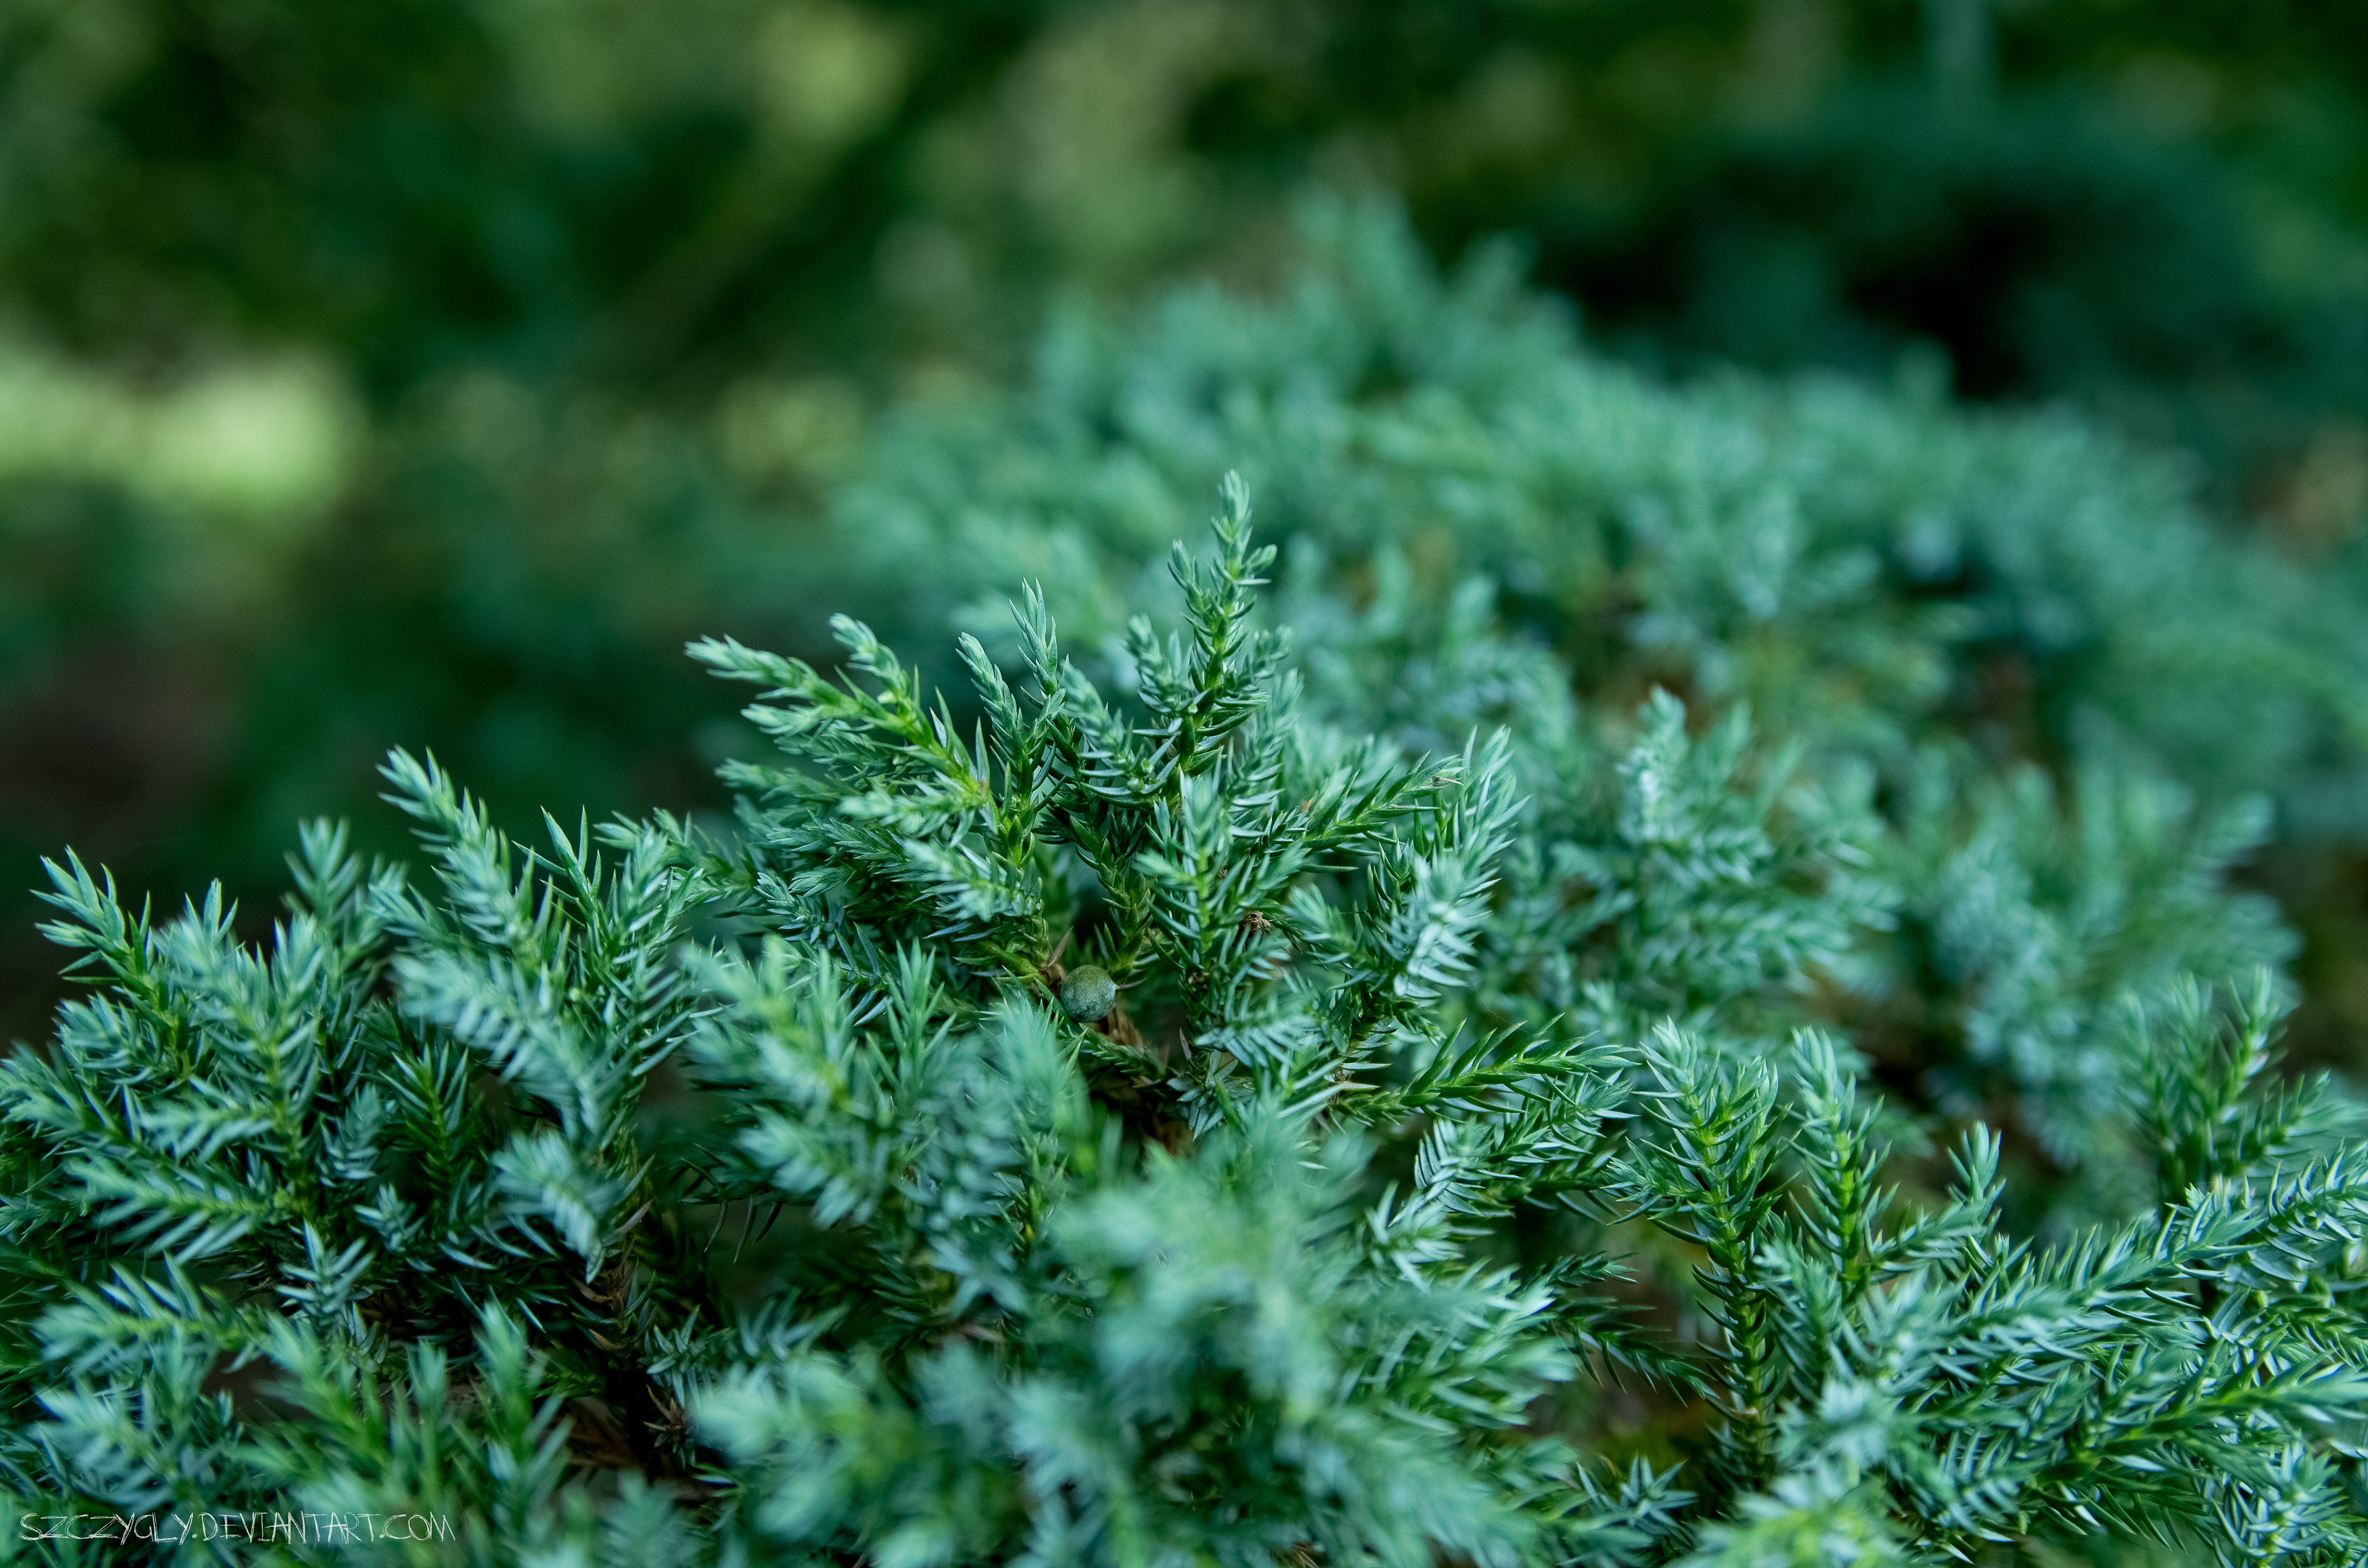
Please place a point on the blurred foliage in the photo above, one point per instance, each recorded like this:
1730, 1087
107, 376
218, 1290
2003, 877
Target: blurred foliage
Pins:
426, 373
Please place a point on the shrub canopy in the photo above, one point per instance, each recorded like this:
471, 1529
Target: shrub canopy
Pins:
1671, 994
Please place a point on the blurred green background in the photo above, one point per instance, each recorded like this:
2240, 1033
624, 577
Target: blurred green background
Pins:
424, 373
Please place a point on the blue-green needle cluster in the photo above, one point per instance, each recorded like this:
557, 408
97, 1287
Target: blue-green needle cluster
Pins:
1671, 997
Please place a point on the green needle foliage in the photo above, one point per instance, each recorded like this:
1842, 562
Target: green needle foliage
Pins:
1150, 1120
2012, 686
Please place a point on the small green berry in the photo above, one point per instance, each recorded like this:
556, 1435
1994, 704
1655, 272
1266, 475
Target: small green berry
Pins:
1089, 994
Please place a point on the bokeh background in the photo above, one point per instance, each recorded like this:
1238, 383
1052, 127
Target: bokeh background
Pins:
424, 373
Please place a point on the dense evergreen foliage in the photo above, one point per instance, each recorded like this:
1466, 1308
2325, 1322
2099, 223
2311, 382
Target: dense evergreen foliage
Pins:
1353, 1107
1633, 971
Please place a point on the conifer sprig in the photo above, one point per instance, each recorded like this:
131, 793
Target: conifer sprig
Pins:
1422, 1111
